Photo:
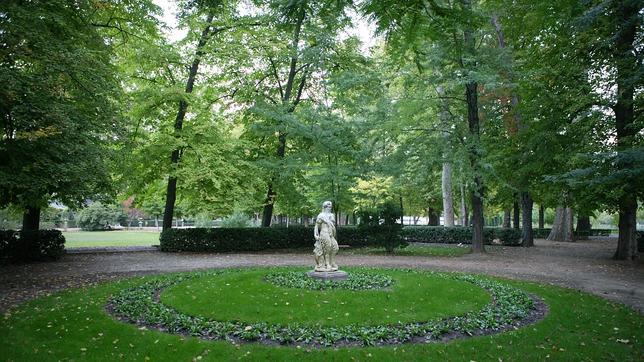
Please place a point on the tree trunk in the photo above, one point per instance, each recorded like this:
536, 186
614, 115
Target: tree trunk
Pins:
433, 218
464, 218
31, 219
562, 225
506, 218
583, 227
541, 217
515, 219
286, 101
526, 209
448, 201
626, 64
171, 190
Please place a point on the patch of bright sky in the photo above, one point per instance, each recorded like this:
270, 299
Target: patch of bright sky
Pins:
361, 28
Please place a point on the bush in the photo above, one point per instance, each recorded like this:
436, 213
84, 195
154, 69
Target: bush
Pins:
256, 239
457, 235
237, 220
31, 245
640, 241
98, 217
380, 228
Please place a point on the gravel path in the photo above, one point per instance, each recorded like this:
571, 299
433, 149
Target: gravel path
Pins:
585, 265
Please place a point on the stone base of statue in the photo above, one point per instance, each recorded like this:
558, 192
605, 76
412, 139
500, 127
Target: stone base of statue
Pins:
328, 275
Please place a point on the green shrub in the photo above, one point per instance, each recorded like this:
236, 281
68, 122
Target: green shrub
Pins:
640, 241
379, 225
31, 245
256, 239
98, 216
459, 235
237, 220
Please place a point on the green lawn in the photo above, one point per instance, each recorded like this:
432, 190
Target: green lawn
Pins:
73, 325
415, 250
110, 238
250, 299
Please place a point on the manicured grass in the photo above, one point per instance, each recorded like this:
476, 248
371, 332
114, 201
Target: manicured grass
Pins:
250, 299
74, 325
415, 250
110, 238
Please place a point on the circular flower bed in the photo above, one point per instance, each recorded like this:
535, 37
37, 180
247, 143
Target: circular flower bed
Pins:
355, 281
509, 307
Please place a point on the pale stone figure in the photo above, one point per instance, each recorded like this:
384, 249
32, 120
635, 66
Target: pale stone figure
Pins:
326, 246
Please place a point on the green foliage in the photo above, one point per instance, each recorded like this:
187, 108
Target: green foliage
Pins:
25, 246
98, 216
237, 220
459, 235
384, 231
355, 281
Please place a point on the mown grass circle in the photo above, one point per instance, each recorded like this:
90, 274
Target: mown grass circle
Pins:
247, 297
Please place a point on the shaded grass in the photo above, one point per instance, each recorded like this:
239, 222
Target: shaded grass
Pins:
250, 299
414, 250
74, 325
110, 238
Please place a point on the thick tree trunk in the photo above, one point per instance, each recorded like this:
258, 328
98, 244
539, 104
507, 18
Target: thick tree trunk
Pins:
433, 218
506, 218
515, 218
171, 190
448, 201
541, 217
583, 227
626, 64
526, 209
31, 219
562, 225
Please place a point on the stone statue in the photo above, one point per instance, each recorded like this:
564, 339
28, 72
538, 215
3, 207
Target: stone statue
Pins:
326, 246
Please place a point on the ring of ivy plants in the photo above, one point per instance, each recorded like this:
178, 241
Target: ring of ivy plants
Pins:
509, 307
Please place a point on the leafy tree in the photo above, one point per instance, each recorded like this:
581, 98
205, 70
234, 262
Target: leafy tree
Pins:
98, 216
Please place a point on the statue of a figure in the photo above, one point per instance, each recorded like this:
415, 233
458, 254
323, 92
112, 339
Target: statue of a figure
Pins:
325, 244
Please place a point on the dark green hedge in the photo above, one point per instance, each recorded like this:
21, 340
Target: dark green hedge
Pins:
640, 241
31, 245
456, 235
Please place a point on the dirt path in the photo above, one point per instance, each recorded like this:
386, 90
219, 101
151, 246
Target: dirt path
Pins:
583, 265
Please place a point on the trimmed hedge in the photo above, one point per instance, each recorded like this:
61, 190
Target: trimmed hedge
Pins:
457, 235
31, 245
256, 239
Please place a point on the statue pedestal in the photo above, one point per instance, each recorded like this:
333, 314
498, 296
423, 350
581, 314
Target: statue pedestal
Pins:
328, 275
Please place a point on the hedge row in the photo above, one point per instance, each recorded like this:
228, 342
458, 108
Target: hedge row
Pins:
256, 239
31, 245
457, 235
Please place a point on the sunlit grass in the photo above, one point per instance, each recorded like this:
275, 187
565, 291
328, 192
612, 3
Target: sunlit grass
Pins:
110, 238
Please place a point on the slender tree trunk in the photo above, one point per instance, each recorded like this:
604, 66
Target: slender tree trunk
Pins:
171, 190
562, 225
464, 211
506, 218
626, 64
541, 217
271, 195
526, 208
448, 201
433, 217
583, 227
515, 215
31, 219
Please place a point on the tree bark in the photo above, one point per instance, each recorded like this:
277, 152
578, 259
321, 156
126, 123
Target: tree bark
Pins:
171, 190
562, 225
31, 219
541, 217
448, 201
626, 64
526, 208
506, 218
271, 195
583, 227
433, 218
515, 218
464, 211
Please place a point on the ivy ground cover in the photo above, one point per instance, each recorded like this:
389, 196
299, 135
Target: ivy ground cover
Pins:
76, 325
